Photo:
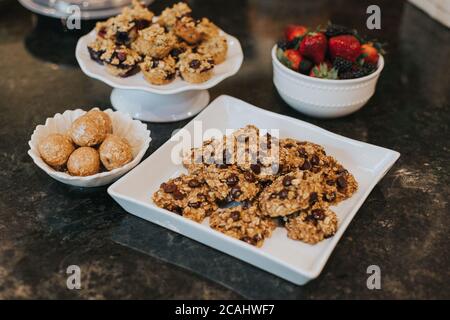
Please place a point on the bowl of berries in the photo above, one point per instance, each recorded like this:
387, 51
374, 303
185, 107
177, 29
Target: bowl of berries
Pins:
326, 72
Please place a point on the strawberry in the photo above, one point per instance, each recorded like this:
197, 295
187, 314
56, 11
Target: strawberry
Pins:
293, 60
324, 70
314, 46
369, 53
294, 31
344, 46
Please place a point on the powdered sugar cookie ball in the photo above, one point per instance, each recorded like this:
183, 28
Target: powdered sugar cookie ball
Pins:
84, 161
101, 119
55, 149
86, 133
115, 152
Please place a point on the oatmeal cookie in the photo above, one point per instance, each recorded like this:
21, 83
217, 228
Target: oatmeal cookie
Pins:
186, 195
97, 48
313, 225
207, 29
169, 16
243, 223
230, 184
216, 46
158, 71
301, 155
338, 183
186, 29
154, 41
121, 61
119, 29
289, 193
139, 14
196, 68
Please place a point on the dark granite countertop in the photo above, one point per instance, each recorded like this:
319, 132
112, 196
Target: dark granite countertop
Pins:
402, 227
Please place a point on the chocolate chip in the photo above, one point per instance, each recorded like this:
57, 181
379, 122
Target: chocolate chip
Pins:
329, 197
235, 215
194, 183
232, 180
256, 168
315, 160
141, 23
306, 165
287, 180
122, 56
194, 205
246, 204
283, 194
155, 63
341, 182
177, 210
178, 195
249, 177
122, 37
289, 145
302, 153
313, 198
168, 187
194, 64
235, 192
318, 214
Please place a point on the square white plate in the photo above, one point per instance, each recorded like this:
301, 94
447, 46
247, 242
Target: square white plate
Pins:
292, 260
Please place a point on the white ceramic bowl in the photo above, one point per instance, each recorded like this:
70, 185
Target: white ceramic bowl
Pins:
124, 126
323, 98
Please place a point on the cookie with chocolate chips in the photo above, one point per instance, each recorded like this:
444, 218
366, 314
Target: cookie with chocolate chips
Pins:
230, 184
186, 195
338, 183
312, 225
297, 190
245, 223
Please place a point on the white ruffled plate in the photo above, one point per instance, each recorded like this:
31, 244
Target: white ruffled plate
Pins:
222, 71
124, 126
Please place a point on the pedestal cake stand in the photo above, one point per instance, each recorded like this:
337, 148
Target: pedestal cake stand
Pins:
166, 103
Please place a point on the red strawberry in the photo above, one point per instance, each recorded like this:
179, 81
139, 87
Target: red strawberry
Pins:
314, 46
293, 31
294, 59
344, 46
369, 53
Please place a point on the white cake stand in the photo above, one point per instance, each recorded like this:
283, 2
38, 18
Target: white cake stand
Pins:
175, 101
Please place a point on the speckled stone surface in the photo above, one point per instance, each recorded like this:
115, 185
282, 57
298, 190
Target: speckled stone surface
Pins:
403, 226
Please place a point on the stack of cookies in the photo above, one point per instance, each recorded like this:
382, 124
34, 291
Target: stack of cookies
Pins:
249, 183
161, 47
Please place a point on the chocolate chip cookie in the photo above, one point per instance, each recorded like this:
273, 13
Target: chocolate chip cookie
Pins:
243, 223
186, 195
297, 190
312, 225
230, 184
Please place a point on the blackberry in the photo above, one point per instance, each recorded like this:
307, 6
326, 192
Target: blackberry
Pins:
346, 75
283, 45
337, 30
341, 64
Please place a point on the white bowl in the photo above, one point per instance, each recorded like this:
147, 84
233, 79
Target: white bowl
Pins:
124, 126
323, 98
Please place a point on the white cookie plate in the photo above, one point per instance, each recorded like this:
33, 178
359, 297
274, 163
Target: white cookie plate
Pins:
289, 259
